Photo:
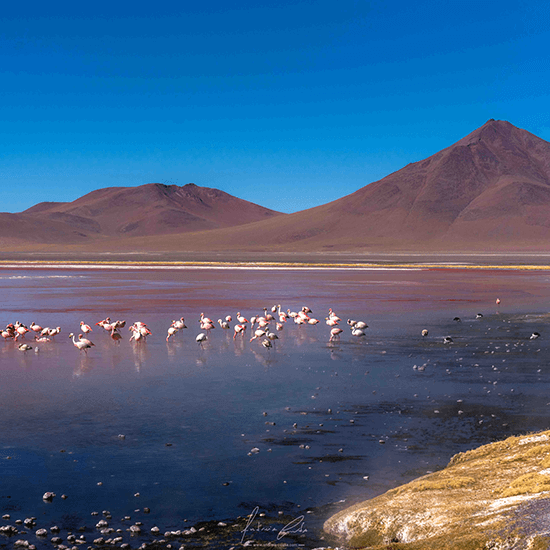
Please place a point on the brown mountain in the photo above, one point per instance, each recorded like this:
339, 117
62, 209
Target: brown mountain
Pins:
488, 191
151, 209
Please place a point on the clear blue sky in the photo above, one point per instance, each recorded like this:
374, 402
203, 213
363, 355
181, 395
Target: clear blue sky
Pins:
286, 104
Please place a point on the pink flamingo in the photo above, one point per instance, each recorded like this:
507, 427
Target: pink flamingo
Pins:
242, 320
239, 329
36, 328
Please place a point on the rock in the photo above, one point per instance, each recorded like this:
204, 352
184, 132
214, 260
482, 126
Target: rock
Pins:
41, 533
48, 496
101, 523
482, 499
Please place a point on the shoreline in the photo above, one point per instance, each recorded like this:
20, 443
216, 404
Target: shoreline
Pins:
262, 265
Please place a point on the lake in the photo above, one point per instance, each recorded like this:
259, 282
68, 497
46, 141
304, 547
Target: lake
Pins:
231, 443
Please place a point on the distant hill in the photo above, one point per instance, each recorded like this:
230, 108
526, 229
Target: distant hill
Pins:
111, 213
489, 191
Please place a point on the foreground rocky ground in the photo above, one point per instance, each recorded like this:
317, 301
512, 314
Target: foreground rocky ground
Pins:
493, 497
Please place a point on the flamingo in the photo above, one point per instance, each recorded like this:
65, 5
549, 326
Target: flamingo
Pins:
224, 324
331, 322
201, 338
312, 321
79, 343
136, 335
140, 327
281, 314
303, 315
258, 333
179, 324
333, 315
109, 326
86, 329
24, 347
21, 330
53, 331
239, 329
425, 332
36, 328
242, 320
8, 334
171, 331
205, 320
267, 344
85, 340
116, 336
335, 333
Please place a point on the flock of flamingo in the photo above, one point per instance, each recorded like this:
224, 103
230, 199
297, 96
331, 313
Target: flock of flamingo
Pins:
259, 325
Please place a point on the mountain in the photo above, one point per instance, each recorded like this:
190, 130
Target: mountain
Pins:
114, 212
488, 191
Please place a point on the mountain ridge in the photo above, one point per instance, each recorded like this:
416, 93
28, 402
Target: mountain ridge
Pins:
489, 190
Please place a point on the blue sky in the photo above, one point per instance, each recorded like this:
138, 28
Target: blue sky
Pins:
286, 104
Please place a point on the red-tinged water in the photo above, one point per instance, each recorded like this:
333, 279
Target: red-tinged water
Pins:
323, 415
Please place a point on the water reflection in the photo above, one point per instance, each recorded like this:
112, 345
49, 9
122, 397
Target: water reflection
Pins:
140, 353
83, 365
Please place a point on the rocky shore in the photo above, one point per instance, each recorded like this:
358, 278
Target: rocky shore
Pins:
496, 496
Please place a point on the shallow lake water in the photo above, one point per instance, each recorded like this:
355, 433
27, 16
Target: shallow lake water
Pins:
333, 423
